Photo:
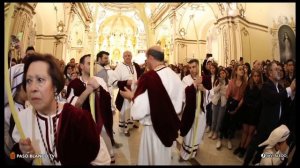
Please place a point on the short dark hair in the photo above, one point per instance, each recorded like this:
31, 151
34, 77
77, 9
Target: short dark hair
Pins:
13, 60
83, 58
194, 61
290, 60
30, 48
156, 54
54, 71
208, 55
100, 54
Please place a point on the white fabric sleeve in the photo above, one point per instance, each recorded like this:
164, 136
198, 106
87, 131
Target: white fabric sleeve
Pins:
72, 99
179, 97
140, 107
289, 93
115, 77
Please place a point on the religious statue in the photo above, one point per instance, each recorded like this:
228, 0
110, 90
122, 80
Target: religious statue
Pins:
287, 48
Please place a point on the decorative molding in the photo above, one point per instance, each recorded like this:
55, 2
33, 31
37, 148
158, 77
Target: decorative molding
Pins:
158, 14
165, 16
86, 12
180, 40
43, 36
79, 9
243, 21
221, 8
282, 20
245, 31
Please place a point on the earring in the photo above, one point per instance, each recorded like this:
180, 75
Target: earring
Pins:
55, 96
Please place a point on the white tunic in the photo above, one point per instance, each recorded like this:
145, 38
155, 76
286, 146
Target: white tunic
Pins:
8, 141
124, 72
29, 123
121, 73
152, 151
193, 138
110, 89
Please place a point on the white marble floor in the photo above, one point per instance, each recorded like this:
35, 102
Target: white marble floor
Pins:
128, 153
207, 152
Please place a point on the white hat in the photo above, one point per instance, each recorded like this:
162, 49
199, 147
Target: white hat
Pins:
210, 59
16, 76
279, 134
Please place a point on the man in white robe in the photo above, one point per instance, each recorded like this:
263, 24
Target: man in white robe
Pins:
193, 119
156, 102
125, 74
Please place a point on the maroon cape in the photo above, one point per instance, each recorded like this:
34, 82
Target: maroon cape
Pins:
77, 141
163, 115
78, 86
189, 111
103, 111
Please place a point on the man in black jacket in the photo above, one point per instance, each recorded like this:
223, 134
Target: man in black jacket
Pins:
274, 97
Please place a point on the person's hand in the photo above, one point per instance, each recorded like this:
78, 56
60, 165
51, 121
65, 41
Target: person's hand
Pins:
26, 146
93, 83
89, 88
127, 94
63, 93
293, 85
198, 82
221, 81
129, 82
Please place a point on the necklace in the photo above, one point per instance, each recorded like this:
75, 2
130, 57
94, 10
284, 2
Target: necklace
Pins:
52, 159
131, 70
158, 67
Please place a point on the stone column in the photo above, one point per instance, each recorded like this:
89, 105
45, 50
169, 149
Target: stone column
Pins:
22, 24
173, 56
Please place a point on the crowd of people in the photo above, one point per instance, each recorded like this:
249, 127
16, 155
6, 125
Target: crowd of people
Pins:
54, 102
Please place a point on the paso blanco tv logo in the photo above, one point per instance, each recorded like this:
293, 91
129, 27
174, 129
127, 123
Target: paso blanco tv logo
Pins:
34, 156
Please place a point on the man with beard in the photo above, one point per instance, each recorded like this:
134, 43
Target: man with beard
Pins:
274, 98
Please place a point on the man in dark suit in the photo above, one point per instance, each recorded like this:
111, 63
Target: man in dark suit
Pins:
273, 100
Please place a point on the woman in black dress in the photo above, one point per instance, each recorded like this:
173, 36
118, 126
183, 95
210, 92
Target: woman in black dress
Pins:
251, 110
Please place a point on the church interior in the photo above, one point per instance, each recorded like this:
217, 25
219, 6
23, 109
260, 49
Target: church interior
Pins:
228, 31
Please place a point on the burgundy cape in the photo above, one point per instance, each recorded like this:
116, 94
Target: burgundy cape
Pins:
78, 86
189, 111
163, 115
77, 141
121, 84
103, 111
